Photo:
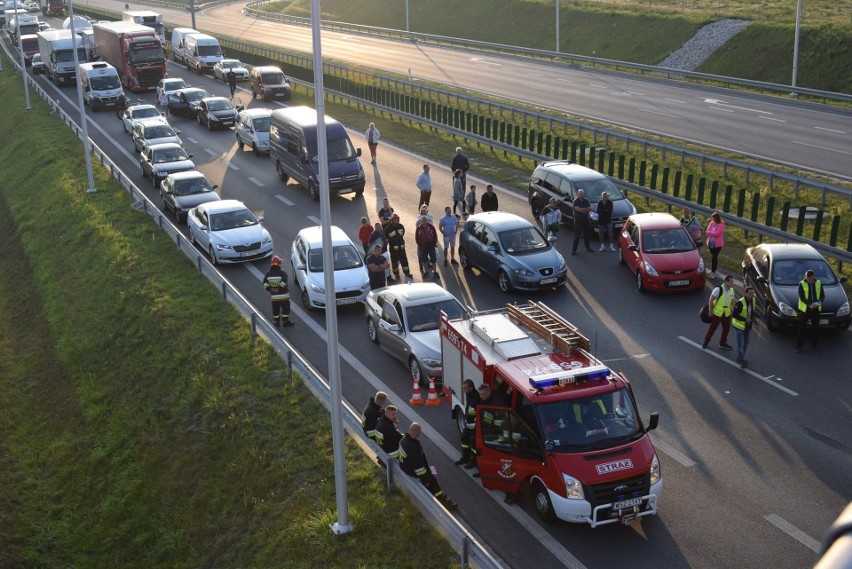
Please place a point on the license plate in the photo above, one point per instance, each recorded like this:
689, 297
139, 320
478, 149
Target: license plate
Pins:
823, 321
678, 283
626, 503
345, 301
548, 281
247, 253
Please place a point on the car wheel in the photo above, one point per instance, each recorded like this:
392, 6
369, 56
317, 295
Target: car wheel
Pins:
198, 118
371, 331
306, 301
180, 218
240, 143
465, 262
253, 93
621, 256
144, 174
771, 324
166, 206
416, 373
254, 148
640, 286
542, 502
209, 125
503, 281
123, 125
213, 258
282, 174
313, 191
155, 183
191, 237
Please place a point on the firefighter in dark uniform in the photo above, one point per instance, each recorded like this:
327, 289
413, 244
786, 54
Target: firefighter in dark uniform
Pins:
372, 413
387, 432
395, 237
275, 283
468, 438
413, 462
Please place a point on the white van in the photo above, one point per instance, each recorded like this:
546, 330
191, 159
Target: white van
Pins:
178, 42
201, 52
101, 85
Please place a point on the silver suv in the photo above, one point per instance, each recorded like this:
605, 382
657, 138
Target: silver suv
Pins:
252, 130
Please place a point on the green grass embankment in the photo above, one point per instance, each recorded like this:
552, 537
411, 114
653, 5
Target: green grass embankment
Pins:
140, 423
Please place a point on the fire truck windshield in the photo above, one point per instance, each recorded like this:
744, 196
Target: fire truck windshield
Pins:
599, 421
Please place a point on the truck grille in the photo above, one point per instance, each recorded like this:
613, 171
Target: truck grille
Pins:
249, 247
598, 494
149, 77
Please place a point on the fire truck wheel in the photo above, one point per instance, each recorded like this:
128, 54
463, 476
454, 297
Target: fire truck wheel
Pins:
542, 503
460, 419
371, 331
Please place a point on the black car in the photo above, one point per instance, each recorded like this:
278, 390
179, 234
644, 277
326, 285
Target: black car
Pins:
561, 180
185, 102
183, 191
775, 271
216, 112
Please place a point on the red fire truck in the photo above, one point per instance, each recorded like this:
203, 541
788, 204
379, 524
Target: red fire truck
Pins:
570, 429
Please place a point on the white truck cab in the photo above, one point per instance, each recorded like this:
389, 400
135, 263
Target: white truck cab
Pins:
101, 85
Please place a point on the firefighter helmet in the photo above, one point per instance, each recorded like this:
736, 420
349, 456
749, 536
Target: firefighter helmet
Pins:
276, 261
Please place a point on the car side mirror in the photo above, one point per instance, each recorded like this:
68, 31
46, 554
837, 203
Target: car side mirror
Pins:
299, 267
389, 327
189, 155
240, 108
762, 280
177, 132
493, 248
634, 248
653, 422
215, 186
259, 218
357, 152
843, 279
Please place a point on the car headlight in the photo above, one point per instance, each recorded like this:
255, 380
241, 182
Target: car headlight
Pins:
649, 268
786, 309
267, 240
700, 265
843, 310
317, 289
431, 362
656, 474
223, 247
212, 117
366, 285
523, 272
562, 265
161, 173
573, 488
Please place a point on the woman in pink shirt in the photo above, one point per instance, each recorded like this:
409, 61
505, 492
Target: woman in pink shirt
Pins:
715, 240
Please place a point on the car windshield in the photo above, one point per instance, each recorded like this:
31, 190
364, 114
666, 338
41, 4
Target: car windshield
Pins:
37, 58
144, 113
425, 317
67, 55
206, 50
338, 149
169, 155
159, 131
523, 240
232, 220
196, 95
228, 63
192, 186
596, 186
261, 124
103, 83
174, 84
790, 272
219, 105
663, 241
273, 78
345, 257
594, 422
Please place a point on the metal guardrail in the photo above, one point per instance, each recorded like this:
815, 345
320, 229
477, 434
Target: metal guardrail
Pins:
471, 552
389, 33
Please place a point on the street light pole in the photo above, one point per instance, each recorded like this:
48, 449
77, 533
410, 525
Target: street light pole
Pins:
23, 59
796, 42
343, 525
87, 147
557, 26
407, 27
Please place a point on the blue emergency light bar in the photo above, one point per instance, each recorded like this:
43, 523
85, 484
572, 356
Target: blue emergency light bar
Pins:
568, 377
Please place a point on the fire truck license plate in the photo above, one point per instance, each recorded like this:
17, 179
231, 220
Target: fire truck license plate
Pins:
548, 281
626, 503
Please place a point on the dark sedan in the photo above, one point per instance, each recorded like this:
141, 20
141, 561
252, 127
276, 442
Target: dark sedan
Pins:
185, 102
775, 271
216, 112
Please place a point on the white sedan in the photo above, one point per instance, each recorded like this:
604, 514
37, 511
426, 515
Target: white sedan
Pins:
229, 232
132, 115
221, 69
171, 84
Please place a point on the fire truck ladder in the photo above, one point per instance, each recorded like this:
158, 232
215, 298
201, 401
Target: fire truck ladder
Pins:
549, 325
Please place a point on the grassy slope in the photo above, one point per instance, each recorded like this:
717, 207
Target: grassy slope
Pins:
140, 424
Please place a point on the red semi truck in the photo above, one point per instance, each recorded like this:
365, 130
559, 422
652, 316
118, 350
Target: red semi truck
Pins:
134, 50
567, 427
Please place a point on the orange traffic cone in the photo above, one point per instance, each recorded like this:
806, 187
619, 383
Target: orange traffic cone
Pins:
432, 400
416, 399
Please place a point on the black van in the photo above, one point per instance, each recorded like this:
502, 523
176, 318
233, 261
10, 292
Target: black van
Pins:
293, 149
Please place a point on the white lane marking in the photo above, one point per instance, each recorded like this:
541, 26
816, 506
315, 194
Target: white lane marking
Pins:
830, 130
233, 166
732, 363
476, 59
256, 182
635, 356
451, 450
717, 102
563, 80
637, 93
596, 86
676, 101
659, 444
821, 147
210, 152
192, 140
659, 113
721, 109
285, 200
770, 119
314, 219
793, 532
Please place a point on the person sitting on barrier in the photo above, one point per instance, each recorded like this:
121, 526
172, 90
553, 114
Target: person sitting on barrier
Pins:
372, 413
412, 461
387, 432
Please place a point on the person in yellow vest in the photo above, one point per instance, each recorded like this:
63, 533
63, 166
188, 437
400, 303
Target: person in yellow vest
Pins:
721, 307
811, 295
742, 319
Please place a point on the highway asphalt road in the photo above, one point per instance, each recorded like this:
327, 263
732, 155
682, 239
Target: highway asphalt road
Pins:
816, 138
756, 463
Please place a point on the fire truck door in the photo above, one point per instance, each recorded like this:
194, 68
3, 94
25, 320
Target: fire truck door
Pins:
508, 449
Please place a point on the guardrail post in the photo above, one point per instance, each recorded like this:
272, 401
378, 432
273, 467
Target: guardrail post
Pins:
517, 136
724, 168
523, 138
289, 364
726, 205
702, 186
488, 127
574, 145
592, 158
800, 223
849, 239
253, 324
224, 291
601, 159
631, 170
770, 211
755, 205
582, 154
796, 188
714, 193
655, 170
785, 216
465, 552
835, 229
565, 149
389, 471
621, 166
547, 144
538, 141
665, 186
818, 225
677, 180
611, 166
642, 167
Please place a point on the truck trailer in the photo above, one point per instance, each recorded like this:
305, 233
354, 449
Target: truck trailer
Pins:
57, 53
147, 18
53, 8
134, 50
559, 422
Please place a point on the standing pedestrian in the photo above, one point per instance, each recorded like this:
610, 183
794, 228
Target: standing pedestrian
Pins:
460, 162
470, 200
395, 236
721, 305
412, 461
377, 266
377, 237
605, 222
715, 241
692, 226
372, 413
468, 437
387, 432
275, 283
551, 217
163, 99
364, 232
458, 190
424, 184
811, 297
424, 212
489, 199
232, 81
743, 317
427, 239
372, 135
449, 227
582, 225
385, 212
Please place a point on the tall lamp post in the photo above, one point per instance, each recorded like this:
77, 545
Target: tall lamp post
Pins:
23, 59
343, 525
87, 147
407, 27
796, 43
557, 26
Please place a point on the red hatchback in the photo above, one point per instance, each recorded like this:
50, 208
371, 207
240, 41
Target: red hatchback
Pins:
660, 252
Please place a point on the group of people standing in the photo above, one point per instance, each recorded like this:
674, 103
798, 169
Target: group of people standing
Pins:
581, 208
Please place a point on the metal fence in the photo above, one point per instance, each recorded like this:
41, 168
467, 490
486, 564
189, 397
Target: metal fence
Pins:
471, 552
